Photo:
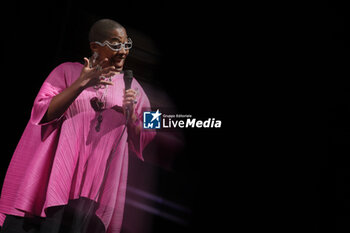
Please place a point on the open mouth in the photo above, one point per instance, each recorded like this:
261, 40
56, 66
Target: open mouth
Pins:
118, 61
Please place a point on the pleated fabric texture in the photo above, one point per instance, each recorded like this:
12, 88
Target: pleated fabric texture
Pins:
75, 217
66, 159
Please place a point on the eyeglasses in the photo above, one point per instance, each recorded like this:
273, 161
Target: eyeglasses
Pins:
116, 46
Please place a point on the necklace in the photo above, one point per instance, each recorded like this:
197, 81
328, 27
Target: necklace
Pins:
99, 102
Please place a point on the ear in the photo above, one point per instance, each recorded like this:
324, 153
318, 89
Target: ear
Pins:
94, 47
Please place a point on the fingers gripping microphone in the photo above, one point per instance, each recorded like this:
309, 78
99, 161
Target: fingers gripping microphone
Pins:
128, 76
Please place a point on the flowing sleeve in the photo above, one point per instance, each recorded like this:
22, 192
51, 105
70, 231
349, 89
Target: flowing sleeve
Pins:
55, 83
138, 144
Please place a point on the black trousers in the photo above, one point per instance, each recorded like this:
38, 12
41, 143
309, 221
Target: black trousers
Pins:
76, 217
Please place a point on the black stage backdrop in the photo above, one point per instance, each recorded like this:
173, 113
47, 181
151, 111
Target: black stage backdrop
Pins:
333, 183
240, 64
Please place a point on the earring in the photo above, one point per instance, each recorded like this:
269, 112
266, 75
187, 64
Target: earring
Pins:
94, 57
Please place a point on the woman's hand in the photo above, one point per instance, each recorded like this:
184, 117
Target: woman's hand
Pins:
91, 76
129, 100
88, 77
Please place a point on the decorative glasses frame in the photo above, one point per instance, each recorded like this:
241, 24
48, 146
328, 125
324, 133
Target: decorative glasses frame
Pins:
116, 46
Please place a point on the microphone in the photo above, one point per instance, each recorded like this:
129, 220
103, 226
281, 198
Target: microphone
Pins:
128, 75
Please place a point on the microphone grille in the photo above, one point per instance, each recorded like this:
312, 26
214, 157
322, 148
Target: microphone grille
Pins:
128, 73
128, 78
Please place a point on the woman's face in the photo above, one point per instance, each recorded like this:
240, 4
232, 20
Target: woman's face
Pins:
115, 58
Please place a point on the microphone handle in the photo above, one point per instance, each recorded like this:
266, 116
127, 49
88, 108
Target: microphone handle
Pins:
128, 75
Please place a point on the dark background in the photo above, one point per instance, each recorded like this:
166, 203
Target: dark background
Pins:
193, 70
277, 81
332, 154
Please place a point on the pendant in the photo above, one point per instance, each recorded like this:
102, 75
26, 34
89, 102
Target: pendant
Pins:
99, 120
96, 104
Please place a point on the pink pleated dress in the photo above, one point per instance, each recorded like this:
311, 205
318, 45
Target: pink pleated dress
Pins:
66, 158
